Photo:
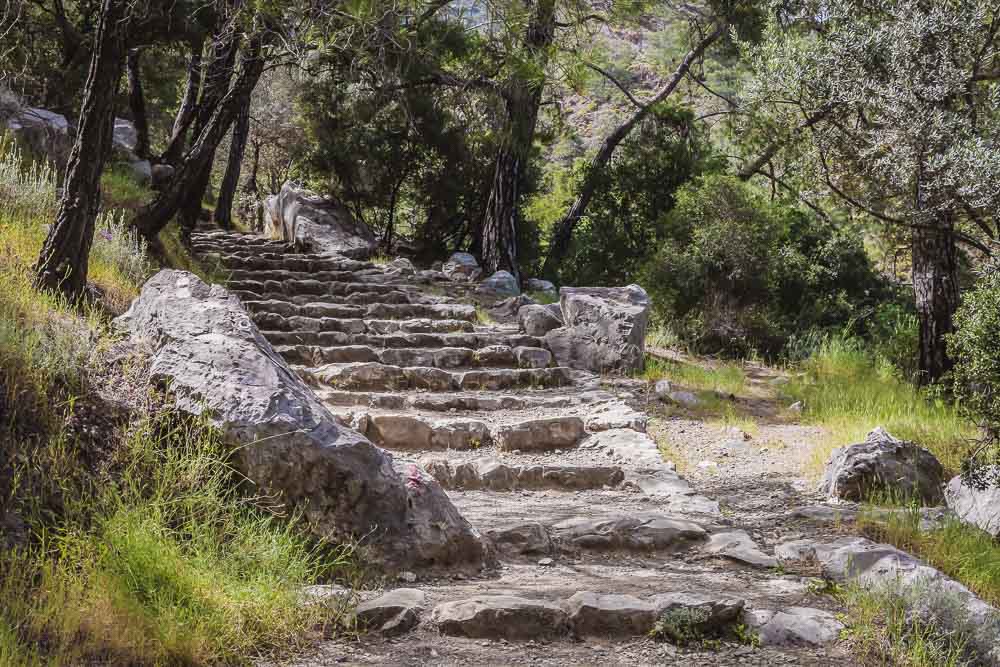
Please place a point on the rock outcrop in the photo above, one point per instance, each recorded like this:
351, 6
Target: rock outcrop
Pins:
316, 223
604, 329
207, 351
462, 267
979, 507
883, 464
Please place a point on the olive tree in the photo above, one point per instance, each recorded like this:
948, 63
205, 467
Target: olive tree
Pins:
891, 107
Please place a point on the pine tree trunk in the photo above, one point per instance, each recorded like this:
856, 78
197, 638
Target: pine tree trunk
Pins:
498, 239
936, 292
63, 263
231, 179
186, 111
198, 160
250, 204
137, 105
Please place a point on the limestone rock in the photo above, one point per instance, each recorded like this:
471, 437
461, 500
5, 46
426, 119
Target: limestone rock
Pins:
320, 224
490, 473
883, 464
394, 612
542, 287
662, 390
532, 357
207, 351
595, 614
501, 283
604, 329
506, 311
538, 320
541, 434
501, 616
738, 545
980, 507
402, 266
42, 132
461, 267
716, 612
686, 399
526, 539
794, 626
642, 532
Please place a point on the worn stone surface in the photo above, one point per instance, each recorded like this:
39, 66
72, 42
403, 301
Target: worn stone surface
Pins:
526, 539
604, 329
501, 283
532, 357
538, 320
980, 507
394, 612
213, 360
883, 464
638, 532
738, 545
318, 223
462, 267
506, 616
543, 287
490, 473
794, 625
541, 434
603, 615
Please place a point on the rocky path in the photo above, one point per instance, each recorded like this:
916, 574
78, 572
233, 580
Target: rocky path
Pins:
598, 540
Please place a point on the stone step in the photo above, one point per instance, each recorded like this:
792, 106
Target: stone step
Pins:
315, 284
284, 275
267, 262
310, 317
474, 340
326, 317
288, 306
441, 357
411, 431
459, 401
335, 291
240, 242
379, 377
488, 473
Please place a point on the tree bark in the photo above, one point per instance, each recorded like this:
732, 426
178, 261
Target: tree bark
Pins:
137, 105
231, 179
198, 160
185, 113
522, 97
251, 207
936, 293
63, 263
563, 233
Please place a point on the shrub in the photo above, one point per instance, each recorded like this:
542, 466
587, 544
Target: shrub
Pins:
975, 379
737, 273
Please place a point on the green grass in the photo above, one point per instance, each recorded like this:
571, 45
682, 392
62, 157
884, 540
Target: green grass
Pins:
543, 297
119, 189
847, 392
725, 378
961, 551
483, 316
881, 632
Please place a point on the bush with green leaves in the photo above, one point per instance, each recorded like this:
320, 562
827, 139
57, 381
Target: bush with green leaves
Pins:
975, 379
738, 272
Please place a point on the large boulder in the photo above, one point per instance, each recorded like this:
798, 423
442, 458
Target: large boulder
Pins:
538, 320
886, 465
42, 133
604, 329
320, 224
462, 267
980, 507
500, 284
207, 351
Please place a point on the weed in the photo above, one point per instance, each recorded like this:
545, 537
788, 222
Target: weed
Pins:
483, 316
746, 635
682, 625
723, 378
544, 298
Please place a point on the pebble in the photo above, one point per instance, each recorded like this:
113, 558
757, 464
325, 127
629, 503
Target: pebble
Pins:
408, 577
546, 562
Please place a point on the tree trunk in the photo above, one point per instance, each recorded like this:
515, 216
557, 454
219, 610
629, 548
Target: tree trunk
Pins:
185, 113
251, 207
63, 263
231, 179
936, 293
522, 97
563, 233
137, 105
197, 161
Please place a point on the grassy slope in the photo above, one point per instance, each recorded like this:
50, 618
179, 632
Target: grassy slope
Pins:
139, 551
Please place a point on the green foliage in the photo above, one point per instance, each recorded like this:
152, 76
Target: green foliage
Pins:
624, 223
737, 273
849, 392
682, 625
975, 379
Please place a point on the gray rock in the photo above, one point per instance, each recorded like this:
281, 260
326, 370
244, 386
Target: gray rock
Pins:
538, 320
206, 349
662, 390
501, 283
641, 532
461, 267
402, 267
604, 329
616, 416
394, 612
124, 135
527, 539
716, 612
684, 398
142, 170
506, 311
320, 224
502, 616
490, 473
883, 464
42, 132
738, 545
542, 286
541, 434
532, 357
981, 508
595, 614
794, 626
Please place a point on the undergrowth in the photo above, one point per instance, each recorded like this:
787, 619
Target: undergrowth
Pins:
848, 392
728, 378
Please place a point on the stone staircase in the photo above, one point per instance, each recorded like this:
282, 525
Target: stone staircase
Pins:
596, 536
